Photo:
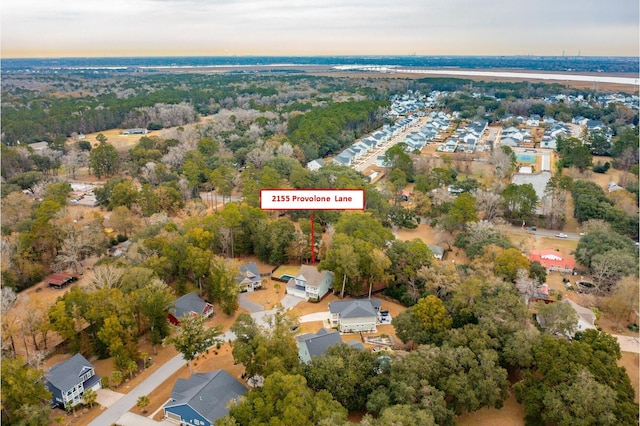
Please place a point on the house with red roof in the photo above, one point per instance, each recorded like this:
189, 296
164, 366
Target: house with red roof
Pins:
553, 260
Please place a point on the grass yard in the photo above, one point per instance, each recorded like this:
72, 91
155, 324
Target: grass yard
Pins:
286, 270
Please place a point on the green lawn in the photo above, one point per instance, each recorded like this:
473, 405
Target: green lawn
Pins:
286, 270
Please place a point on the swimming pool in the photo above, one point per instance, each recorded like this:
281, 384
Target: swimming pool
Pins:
525, 158
286, 277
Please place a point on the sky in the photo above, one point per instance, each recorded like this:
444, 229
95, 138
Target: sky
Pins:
102, 28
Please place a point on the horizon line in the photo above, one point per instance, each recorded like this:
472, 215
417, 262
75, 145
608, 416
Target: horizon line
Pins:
322, 56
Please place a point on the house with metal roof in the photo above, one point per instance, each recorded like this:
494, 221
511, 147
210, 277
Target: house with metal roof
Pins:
553, 260
354, 315
67, 381
203, 398
313, 345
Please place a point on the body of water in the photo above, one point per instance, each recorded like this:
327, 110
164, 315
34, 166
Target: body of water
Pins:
615, 64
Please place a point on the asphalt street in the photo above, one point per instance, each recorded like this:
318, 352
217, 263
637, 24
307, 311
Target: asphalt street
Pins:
129, 400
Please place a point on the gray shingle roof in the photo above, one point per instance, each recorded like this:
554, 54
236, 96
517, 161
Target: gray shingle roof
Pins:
312, 276
317, 344
355, 308
188, 303
207, 393
66, 375
250, 272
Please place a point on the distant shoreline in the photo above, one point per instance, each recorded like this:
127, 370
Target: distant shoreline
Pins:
581, 64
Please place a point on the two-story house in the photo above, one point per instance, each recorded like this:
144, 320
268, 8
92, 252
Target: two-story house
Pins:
249, 277
350, 316
310, 284
68, 380
203, 398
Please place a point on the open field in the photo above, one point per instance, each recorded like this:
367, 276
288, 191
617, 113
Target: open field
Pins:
116, 138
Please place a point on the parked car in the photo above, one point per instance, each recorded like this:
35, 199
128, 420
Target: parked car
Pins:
561, 235
532, 228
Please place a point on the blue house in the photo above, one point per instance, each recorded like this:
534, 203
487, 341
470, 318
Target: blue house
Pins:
67, 381
203, 398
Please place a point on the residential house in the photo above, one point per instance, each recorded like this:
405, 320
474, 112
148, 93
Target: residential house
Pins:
311, 345
315, 165
249, 278
310, 284
203, 398
509, 141
586, 317
438, 251
354, 315
189, 304
67, 381
553, 260
533, 122
345, 158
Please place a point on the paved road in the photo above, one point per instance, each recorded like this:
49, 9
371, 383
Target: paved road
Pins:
547, 233
128, 401
370, 158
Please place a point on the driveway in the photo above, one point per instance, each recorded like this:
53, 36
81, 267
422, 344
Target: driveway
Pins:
129, 400
107, 397
248, 304
628, 343
131, 419
316, 316
121, 406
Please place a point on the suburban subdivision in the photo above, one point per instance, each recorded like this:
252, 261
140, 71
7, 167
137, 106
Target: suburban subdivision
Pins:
317, 244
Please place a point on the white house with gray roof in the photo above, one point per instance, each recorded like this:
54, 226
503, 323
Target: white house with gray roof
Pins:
310, 284
248, 277
354, 315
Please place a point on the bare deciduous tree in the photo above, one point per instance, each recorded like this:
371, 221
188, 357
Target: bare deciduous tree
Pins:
525, 285
489, 204
501, 161
105, 276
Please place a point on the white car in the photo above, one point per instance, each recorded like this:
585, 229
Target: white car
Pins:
561, 235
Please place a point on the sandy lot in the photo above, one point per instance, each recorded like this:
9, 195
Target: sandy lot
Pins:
631, 362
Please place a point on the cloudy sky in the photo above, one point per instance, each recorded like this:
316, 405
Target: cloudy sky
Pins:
64, 28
